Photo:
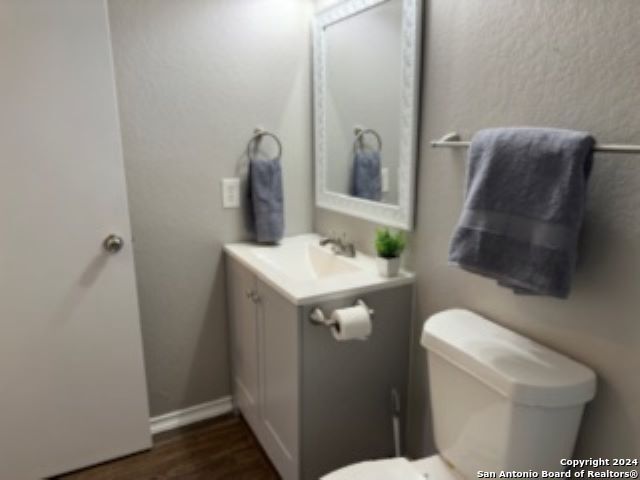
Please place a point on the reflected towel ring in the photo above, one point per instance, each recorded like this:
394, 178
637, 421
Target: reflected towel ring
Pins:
258, 133
361, 132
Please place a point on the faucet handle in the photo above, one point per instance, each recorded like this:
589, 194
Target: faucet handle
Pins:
325, 241
332, 238
350, 249
347, 248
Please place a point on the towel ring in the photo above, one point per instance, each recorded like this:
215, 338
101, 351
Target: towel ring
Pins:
361, 132
258, 133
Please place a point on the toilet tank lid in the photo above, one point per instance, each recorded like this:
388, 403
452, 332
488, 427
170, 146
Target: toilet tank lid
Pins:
517, 367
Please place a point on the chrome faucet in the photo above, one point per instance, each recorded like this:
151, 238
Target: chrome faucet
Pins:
339, 246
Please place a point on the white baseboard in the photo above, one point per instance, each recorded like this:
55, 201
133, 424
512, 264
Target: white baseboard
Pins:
187, 416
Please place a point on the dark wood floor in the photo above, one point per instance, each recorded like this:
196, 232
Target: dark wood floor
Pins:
223, 448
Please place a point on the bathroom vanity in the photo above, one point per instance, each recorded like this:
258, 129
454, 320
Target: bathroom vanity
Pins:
315, 403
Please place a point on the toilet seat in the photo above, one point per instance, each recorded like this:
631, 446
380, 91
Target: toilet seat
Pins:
432, 468
387, 469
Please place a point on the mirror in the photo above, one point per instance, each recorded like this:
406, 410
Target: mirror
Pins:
366, 67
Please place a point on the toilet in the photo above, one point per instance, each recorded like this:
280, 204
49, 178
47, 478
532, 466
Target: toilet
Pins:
499, 402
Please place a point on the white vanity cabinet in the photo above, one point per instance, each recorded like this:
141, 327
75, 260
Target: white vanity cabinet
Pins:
315, 404
264, 332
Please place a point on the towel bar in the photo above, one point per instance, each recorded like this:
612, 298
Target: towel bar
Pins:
452, 140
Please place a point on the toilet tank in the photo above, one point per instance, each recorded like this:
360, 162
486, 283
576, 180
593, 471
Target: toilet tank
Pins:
500, 401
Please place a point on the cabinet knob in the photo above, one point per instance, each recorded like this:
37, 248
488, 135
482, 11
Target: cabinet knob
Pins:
252, 295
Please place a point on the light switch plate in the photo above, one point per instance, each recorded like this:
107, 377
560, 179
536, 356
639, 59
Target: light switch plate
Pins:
230, 193
384, 173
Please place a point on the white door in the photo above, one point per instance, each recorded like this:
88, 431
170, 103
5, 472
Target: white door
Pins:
72, 383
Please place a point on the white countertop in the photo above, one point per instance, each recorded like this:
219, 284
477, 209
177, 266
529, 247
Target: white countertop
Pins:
298, 266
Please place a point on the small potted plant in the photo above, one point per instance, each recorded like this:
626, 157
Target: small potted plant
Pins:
389, 247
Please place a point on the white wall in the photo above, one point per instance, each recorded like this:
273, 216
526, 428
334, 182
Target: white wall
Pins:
571, 64
194, 78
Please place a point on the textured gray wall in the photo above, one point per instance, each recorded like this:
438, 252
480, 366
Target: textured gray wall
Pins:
193, 80
571, 64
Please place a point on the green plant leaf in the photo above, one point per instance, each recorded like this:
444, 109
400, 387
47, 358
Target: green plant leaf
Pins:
388, 244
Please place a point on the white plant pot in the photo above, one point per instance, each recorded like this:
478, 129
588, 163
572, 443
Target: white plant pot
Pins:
388, 267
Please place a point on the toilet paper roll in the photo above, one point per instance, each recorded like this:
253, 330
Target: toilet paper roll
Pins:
353, 323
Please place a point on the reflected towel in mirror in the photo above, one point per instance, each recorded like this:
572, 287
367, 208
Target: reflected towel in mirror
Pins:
366, 178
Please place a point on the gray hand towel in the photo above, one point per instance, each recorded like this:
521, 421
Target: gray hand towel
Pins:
366, 177
524, 206
265, 190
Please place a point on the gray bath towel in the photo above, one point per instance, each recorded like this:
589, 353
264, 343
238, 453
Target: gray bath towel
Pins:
366, 178
524, 207
265, 190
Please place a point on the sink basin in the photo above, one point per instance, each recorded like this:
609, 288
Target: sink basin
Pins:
304, 272
306, 261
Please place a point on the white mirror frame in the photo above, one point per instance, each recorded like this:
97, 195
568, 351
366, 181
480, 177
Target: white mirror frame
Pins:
402, 214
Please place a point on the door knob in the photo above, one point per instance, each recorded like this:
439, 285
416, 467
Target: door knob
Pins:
113, 243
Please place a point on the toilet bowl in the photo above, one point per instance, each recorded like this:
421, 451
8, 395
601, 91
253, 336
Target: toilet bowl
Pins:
499, 402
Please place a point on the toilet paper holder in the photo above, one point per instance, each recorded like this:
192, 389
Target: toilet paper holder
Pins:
317, 316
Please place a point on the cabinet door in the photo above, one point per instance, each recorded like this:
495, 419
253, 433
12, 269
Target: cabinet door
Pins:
244, 340
278, 320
